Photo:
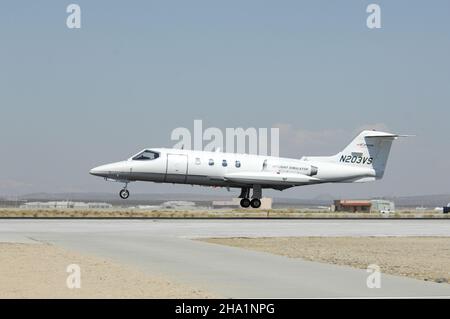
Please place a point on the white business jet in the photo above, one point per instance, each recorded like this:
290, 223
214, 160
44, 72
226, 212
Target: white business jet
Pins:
363, 160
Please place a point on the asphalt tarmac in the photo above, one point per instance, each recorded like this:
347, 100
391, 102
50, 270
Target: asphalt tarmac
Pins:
165, 247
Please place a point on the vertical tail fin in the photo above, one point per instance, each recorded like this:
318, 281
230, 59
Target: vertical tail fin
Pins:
368, 149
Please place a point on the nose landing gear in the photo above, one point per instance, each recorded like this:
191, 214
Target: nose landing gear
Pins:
124, 193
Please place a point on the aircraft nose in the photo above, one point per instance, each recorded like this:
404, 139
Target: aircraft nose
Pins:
113, 170
97, 171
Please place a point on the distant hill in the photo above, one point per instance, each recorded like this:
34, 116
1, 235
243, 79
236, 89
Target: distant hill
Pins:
423, 200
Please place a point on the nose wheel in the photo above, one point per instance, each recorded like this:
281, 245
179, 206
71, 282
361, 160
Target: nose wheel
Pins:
124, 193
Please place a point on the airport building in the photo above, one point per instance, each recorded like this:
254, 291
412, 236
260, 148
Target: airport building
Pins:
365, 206
178, 204
65, 205
382, 206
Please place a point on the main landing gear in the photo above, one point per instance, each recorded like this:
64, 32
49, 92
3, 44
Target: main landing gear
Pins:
255, 202
124, 193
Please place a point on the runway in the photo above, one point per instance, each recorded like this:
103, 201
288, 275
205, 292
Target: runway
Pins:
165, 246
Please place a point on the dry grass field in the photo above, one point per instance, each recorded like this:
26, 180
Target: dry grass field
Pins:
211, 213
40, 271
425, 258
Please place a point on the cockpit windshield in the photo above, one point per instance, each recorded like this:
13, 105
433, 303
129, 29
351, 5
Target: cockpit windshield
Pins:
146, 156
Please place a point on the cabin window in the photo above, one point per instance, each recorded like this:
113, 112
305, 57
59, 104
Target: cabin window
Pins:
238, 164
197, 161
146, 156
211, 162
224, 163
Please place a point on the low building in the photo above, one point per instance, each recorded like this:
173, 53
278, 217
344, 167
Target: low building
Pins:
65, 205
382, 206
351, 205
178, 204
362, 205
95, 205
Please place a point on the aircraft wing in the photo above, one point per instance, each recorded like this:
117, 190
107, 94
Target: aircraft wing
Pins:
269, 178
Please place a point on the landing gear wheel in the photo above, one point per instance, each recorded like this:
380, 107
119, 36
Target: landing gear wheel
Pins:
256, 203
124, 194
245, 202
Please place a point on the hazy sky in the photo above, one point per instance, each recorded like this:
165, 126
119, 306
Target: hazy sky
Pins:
74, 99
